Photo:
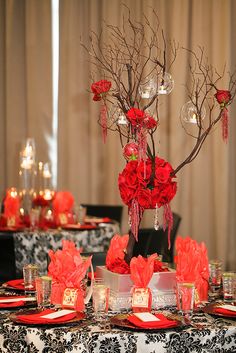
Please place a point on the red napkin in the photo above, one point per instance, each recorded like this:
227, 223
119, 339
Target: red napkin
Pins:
223, 311
192, 265
37, 319
12, 304
141, 270
163, 323
115, 255
16, 283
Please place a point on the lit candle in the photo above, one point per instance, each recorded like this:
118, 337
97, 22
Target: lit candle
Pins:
162, 90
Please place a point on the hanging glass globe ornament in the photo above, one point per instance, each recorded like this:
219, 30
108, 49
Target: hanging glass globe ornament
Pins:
189, 113
148, 89
165, 84
121, 118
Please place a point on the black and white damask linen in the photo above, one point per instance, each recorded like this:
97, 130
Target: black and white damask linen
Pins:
32, 247
216, 336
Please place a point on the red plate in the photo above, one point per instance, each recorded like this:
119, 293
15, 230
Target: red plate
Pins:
14, 317
14, 305
11, 229
16, 284
210, 309
121, 321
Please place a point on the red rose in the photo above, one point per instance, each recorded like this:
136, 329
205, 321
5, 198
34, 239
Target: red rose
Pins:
166, 193
162, 174
126, 193
144, 171
100, 87
223, 97
149, 122
158, 267
130, 174
159, 162
119, 266
144, 198
135, 116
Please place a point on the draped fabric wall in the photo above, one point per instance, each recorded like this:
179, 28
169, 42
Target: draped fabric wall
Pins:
25, 83
206, 197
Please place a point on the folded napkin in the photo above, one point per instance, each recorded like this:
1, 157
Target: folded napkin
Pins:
227, 312
12, 304
163, 323
16, 283
38, 319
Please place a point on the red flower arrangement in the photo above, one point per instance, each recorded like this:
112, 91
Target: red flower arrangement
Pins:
99, 88
138, 118
146, 185
147, 180
223, 97
150, 187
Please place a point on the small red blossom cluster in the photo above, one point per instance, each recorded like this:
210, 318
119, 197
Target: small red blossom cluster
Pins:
99, 88
138, 118
223, 97
149, 185
119, 266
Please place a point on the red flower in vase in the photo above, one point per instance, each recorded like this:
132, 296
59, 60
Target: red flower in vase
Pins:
99, 88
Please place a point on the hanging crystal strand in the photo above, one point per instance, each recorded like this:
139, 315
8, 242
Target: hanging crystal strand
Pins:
103, 117
142, 148
130, 218
156, 221
136, 214
225, 124
168, 221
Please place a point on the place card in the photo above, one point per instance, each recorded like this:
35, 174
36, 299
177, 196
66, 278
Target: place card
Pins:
146, 317
228, 307
58, 314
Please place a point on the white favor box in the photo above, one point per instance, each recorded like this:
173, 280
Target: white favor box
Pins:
162, 285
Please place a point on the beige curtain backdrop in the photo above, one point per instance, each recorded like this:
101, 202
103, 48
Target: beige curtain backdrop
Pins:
206, 191
206, 198
25, 83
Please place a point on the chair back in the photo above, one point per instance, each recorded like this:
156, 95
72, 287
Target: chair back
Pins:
156, 241
7, 258
111, 211
98, 259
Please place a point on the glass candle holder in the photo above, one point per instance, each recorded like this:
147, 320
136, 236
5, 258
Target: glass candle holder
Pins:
215, 278
30, 272
101, 293
185, 298
229, 286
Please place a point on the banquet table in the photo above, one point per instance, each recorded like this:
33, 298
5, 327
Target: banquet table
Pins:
207, 334
33, 246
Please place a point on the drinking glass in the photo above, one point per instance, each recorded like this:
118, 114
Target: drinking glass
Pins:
229, 286
43, 291
30, 272
185, 298
215, 278
101, 293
